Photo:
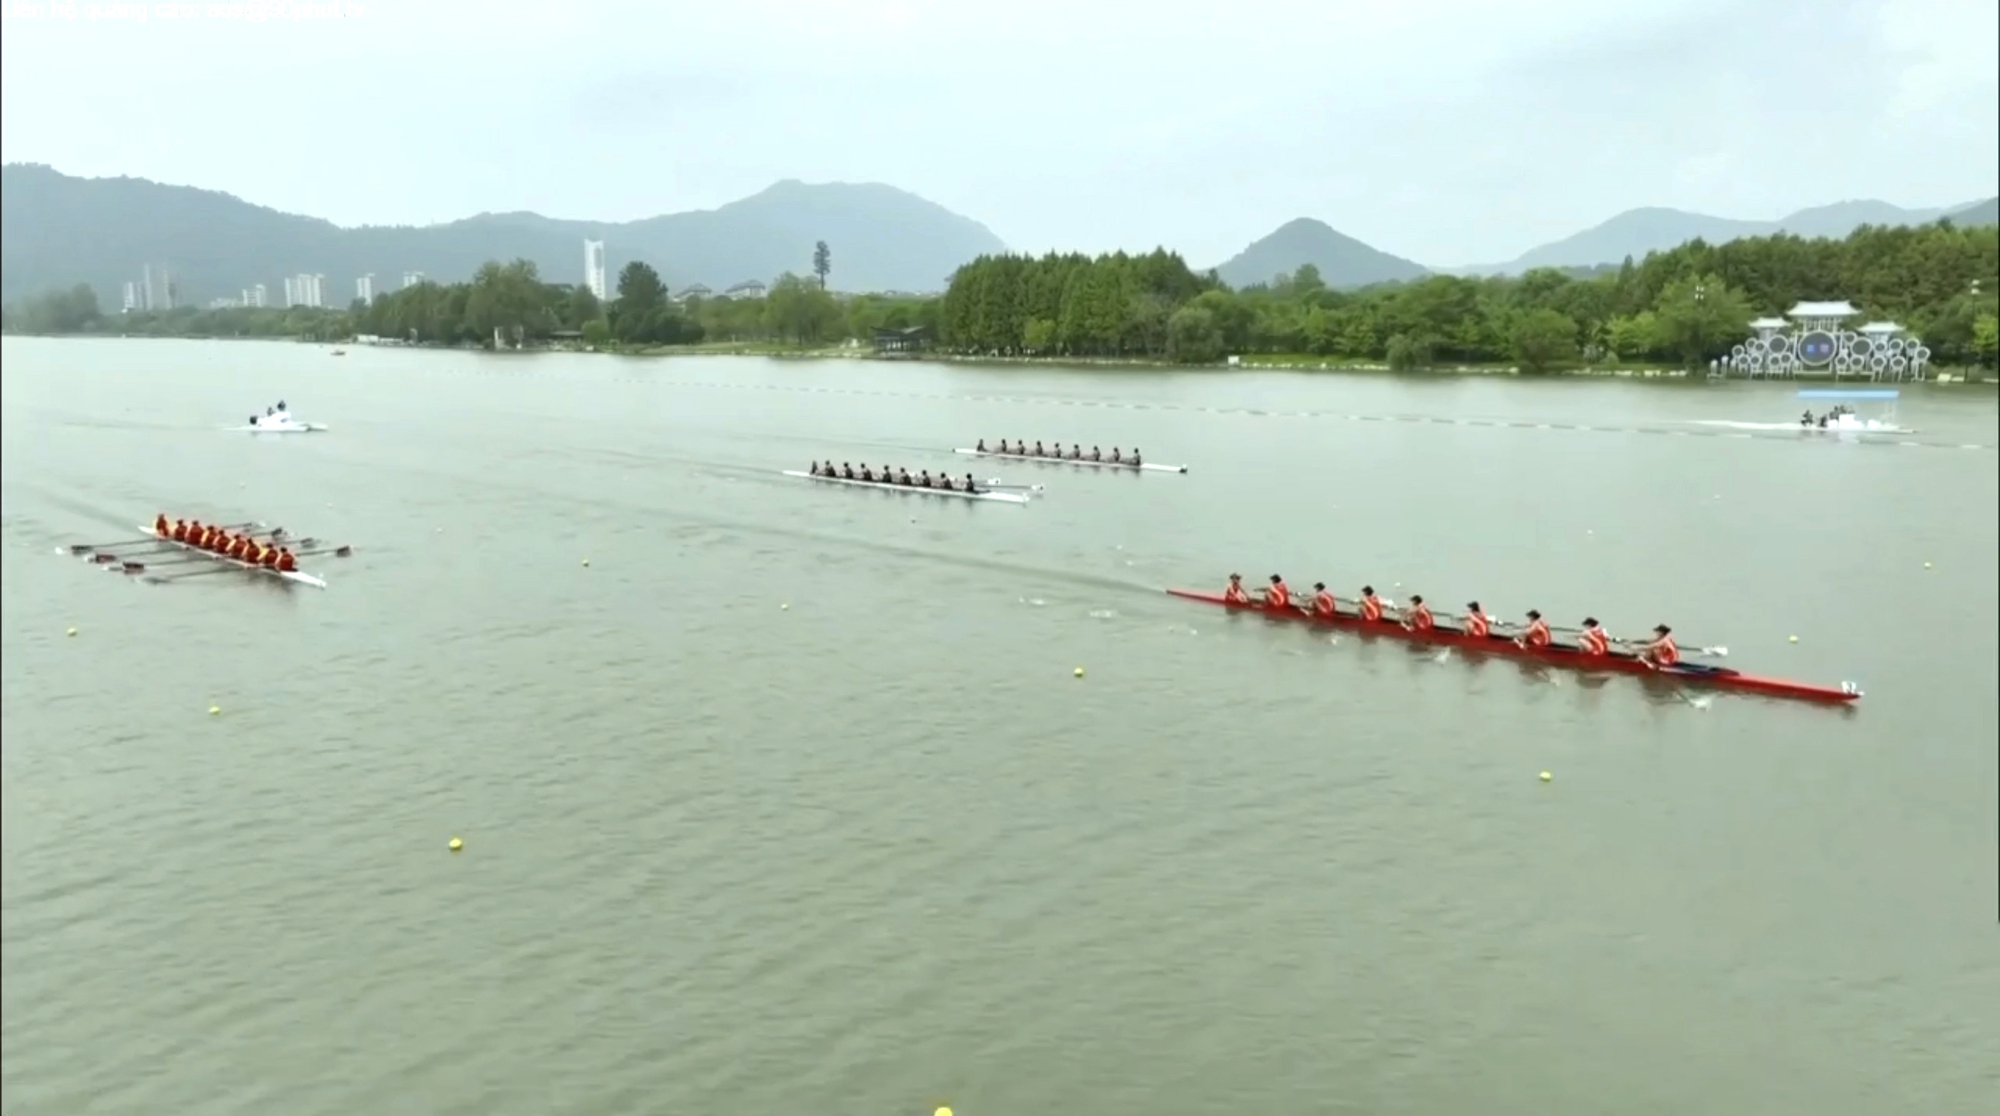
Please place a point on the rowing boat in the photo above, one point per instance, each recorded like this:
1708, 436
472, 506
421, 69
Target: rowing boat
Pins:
995, 497
287, 427
297, 577
1146, 466
1692, 673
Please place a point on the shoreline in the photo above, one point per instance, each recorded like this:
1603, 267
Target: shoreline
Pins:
1246, 363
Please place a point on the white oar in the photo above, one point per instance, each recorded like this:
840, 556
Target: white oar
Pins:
996, 483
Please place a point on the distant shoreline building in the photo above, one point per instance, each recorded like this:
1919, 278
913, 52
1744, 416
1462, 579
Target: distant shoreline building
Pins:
1814, 339
305, 290
364, 289
593, 269
412, 278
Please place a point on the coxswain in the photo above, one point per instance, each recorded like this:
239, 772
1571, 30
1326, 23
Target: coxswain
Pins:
1096, 454
1417, 617
1323, 603
1278, 596
1371, 605
1537, 635
286, 563
1661, 652
1593, 640
1476, 622
161, 527
1235, 594
979, 446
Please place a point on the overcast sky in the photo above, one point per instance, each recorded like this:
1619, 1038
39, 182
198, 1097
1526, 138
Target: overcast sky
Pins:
1447, 131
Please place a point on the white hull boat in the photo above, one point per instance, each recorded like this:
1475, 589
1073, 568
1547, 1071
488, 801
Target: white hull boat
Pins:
1143, 466
991, 497
296, 577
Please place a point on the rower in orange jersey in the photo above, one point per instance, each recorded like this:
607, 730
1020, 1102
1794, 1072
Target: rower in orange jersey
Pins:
1661, 652
1417, 617
1370, 605
1235, 594
1476, 622
286, 563
268, 556
179, 530
1323, 602
1279, 596
242, 548
161, 527
191, 533
1593, 640
1537, 636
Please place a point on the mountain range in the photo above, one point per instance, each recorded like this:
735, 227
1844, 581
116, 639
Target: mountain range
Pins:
57, 230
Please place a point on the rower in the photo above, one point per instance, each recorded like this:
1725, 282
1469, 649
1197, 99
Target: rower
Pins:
903, 477
1476, 623
1039, 451
1096, 454
1323, 602
286, 563
281, 405
1537, 635
1136, 460
924, 478
1661, 652
1235, 594
1278, 596
1806, 419
192, 534
1593, 640
268, 557
1417, 617
1115, 459
179, 533
1371, 605
969, 486
980, 446
846, 471
240, 547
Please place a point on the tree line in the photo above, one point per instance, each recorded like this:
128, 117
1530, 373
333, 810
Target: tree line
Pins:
1682, 307
1685, 306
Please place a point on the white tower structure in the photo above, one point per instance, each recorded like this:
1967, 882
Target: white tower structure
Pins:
593, 268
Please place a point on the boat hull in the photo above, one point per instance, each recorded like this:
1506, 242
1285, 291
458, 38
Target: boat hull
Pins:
1147, 467
288, 428
989, 497
1692, 674
296, 577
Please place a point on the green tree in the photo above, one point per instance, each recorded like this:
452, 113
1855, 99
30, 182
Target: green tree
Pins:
1700, 317
1542, 339
1408, 352
1193, 336
1986, 341
822, 262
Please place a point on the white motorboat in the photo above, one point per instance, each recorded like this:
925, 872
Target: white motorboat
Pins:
1840, 419
279, 422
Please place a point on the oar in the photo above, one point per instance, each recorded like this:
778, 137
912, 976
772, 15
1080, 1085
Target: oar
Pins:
224, 564
996, 483
82, 548
1717, 651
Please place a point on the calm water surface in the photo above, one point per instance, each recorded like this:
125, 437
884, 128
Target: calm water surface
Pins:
879, 850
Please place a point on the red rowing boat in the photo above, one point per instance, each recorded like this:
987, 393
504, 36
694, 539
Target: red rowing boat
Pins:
1558, 655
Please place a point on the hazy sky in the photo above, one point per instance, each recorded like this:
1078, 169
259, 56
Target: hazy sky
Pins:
1447, 131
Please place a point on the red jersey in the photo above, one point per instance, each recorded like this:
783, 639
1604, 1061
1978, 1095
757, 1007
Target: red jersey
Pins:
1594, 641
1235, 594
1323, 604
161, 528
1371, 607
1537, 634
180, 532
1277, 596
1663, 652
1420, 619
1476, 624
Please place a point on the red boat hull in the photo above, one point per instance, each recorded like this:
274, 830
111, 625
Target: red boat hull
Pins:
1714, 677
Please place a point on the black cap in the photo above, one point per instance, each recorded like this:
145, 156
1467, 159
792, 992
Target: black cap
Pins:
1276, 579
1533, 615
1590, 621
1319, 584
1473, 605
1236, 577
1662, 629
1416, 598
1368, 589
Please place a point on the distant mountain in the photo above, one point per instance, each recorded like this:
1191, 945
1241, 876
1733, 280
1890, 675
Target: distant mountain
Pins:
1636, 232
58, 230
1978, 213
1342, 260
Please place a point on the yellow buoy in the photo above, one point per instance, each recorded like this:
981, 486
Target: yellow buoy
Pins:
72, 631
1546, 776
1079, 672
1795, 639
784, 608
214, 709
1927, 565
456, 844
943, 1111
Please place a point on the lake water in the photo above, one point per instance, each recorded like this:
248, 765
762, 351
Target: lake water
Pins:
789, 800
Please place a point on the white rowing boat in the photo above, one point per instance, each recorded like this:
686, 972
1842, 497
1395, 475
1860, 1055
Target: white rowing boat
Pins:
994, 497
296, 577
1146, 466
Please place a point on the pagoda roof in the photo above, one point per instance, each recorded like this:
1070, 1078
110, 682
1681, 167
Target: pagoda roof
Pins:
1841, 309
1881, 327
1769, 323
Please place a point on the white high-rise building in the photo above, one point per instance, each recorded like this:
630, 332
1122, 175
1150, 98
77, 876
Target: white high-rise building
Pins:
412, 278
593, 268
257, 295
291, 292
364, 288
305, 290
131, 296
